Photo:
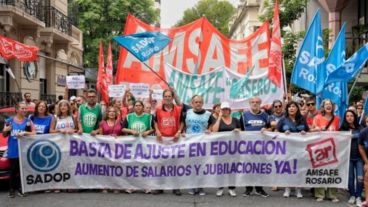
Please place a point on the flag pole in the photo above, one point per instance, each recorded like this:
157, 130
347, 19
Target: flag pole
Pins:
353, 86
158, 75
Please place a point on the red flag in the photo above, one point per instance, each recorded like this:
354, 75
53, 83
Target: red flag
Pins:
101, 82
275, 58
12, 49
109, 69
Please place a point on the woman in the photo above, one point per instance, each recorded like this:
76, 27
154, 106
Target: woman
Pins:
292, 122
225, 123
326, 121
41, 118
138, 123
16, 127
110, 125
65, 122
350, 123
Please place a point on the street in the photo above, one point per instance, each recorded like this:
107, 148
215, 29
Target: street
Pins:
93, 199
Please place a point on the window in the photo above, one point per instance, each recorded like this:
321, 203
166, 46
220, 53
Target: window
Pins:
43, 86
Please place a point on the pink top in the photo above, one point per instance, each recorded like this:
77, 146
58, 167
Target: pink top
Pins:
111, 130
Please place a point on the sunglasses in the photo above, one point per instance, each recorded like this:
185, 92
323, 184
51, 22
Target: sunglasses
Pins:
277, 106
310, 104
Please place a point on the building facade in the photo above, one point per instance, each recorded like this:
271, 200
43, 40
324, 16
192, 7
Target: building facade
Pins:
45, 24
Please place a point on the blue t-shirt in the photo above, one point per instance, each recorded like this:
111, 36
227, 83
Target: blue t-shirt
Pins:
286, 124
12, 139
254, 122
196, 122
42, 124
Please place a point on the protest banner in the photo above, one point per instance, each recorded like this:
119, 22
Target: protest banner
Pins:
157, 94
116, 90
139, 90
76, 81
195, 48
215, 87
62, 161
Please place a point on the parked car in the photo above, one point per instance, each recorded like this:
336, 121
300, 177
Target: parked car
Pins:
4, 162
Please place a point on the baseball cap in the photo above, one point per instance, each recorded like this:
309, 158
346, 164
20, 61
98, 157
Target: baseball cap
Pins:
225, 105
72, 98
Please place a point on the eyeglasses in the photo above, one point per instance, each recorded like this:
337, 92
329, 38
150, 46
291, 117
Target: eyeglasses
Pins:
277, 106
360, 108
310, 104
111, 111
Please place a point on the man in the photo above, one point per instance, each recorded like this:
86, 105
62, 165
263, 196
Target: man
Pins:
197, 120
169, 122
80, 100
277, 113
312, 111
89, 114
28, 100
254, 120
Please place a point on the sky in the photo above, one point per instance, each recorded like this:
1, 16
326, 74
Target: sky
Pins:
172, 10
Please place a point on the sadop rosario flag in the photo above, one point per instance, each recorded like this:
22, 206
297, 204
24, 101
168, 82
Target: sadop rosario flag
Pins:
143, 45
310, 58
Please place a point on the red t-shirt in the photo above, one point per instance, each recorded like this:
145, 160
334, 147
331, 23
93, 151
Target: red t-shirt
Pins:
322, 122
168, 122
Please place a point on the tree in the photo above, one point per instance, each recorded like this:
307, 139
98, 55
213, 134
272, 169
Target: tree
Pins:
104, 19
217, 12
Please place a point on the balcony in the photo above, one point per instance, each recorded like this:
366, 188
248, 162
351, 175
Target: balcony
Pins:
57, 20
31, 7
50, 99
9, 99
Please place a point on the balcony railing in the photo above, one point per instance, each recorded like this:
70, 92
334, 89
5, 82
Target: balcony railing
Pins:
54, 18
50, 99
9, 99
31, 7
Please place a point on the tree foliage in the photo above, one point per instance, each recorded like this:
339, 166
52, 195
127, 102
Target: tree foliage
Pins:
104, 19
216, 11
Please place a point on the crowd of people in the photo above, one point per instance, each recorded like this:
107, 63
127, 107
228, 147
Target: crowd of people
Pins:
171, 118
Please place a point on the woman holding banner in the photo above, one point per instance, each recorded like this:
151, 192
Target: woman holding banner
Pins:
110, 124
41, 118
350, 123
292, 122
16, 128
65, 122
138, 123
225, 123
326, 121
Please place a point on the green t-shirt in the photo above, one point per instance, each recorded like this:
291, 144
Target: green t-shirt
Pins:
139, 123
90, 117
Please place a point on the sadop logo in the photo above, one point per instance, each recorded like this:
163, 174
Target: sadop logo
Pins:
44, 156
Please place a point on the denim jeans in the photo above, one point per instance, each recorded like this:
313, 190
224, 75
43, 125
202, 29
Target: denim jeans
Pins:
355, 183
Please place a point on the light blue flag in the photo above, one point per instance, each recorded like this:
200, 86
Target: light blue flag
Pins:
351, 67
310, 58
337, 92
143, 45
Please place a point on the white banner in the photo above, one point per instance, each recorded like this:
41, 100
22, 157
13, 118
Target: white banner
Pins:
157, 94
215, 87
116, 90
76, 82
139, 90
56, 161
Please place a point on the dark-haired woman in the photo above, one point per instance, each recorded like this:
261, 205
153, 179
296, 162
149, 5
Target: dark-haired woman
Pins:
292, 122
326, 121
138, 123
350, 123
41, 118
